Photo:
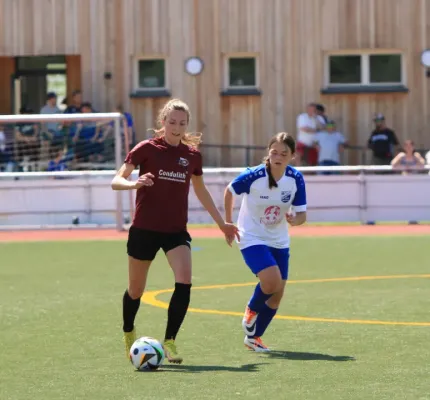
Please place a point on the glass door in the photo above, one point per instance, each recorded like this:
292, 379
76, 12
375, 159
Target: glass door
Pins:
37, 76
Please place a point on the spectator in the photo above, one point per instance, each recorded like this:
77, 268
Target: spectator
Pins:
127, 125
51, 131
383, 142
27, 140
89, 138
321, 112
130, 125
75, 103
408, 159
308, 124
57, 162
329, 144
6, 156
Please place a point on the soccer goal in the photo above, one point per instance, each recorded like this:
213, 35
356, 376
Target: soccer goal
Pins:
55, 170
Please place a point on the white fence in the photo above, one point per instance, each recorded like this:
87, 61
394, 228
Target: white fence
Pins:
36, 199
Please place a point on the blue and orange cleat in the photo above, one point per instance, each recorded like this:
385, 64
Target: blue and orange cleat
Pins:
256, 344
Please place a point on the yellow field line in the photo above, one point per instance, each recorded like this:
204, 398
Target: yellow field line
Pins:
150, 298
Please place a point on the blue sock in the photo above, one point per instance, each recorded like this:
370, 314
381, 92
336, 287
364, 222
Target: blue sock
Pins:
258, 299
263, 320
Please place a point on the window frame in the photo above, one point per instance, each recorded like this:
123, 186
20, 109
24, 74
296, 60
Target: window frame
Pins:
136, 79
227, 58
365, 68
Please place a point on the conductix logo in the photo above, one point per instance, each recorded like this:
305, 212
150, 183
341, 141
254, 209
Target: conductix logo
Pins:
172, 176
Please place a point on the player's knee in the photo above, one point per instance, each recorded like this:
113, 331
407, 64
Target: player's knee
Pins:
271, 286
135, 291
183, 274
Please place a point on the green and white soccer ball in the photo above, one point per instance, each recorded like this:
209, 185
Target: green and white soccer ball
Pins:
146, 354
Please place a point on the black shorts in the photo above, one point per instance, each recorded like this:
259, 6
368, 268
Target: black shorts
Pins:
144, 245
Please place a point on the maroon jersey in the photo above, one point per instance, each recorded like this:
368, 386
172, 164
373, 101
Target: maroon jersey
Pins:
163, 207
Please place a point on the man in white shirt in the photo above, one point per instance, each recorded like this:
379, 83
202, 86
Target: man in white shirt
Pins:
308, 124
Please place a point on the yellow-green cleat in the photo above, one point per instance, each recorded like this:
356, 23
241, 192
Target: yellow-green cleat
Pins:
129, 339
171, 352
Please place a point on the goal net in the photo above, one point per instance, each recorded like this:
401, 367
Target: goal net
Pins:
53, 166
56, 170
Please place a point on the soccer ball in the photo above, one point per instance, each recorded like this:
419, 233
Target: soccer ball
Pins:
146, 354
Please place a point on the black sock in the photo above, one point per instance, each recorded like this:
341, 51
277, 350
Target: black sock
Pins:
177, 309
129, 310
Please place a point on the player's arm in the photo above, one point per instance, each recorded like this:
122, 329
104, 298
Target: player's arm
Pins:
299, 203
137, 156
207, 202
121, 182
206, 199
228, 204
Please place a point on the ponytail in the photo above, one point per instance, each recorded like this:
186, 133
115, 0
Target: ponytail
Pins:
272, 182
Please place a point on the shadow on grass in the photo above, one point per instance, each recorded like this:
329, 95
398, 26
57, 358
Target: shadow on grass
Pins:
304, 356
208, 368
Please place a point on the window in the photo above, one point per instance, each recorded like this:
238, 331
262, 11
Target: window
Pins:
151, 74
345, 69
241, 72
365, 69
385, 68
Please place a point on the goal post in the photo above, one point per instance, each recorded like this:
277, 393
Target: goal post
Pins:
40, 146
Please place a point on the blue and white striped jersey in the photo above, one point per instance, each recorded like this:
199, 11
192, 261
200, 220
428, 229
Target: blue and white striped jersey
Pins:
262, 212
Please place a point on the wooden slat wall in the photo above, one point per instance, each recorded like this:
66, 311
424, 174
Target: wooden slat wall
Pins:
7, 69
74, 77
290, 37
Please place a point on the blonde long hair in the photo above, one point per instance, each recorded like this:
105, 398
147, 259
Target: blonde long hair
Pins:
190, 139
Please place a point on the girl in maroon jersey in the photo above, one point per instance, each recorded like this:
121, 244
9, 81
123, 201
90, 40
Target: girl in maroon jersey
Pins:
167, 164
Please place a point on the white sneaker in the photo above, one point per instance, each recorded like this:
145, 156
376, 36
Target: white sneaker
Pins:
249, 322
256, 344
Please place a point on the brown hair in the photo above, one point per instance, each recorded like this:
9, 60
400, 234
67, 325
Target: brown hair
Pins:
288, 141
190, 139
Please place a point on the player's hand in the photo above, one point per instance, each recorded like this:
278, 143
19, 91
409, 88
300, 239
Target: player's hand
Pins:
144, 180
291, 219
230, 231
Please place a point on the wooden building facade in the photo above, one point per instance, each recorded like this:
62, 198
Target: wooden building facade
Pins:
263, 61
